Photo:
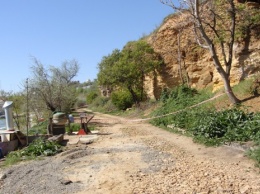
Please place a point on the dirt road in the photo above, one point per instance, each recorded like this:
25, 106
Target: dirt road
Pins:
132, 157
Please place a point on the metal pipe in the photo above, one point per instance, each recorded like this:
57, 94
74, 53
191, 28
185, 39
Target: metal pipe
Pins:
8, 107
27, 112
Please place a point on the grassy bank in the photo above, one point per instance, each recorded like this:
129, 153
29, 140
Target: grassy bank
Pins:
214, 123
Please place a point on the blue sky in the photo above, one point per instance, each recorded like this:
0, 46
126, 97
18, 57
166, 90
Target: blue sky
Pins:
57, 30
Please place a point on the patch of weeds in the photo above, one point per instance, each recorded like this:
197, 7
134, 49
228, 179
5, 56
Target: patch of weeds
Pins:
244, 87
175, 103
204, 123
223, 126
38, 147
74, 127
255, 155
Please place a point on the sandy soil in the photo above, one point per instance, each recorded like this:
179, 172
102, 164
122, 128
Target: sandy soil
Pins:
134, 157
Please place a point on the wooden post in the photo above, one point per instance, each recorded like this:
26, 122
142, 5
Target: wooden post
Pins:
49, 128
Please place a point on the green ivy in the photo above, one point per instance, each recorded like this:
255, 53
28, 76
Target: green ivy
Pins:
225, 126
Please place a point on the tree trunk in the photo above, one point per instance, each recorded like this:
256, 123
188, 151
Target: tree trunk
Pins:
211, 47
224, 75
186, 74
134, 96
229, 90
142, 88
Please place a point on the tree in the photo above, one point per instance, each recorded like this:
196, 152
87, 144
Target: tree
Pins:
19, 109
54, 87
139, 59
214, 23
106, 74
127, 69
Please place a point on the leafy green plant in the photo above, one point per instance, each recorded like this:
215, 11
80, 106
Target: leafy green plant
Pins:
204, 123
223, 126
255, 155
248, 22
73, 127
176, 100
38, 147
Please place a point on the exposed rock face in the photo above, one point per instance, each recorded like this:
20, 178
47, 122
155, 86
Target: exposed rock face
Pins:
105, 91
196, 63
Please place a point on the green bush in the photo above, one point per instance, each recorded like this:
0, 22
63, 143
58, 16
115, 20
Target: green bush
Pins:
225, 126
122, 99
91, 96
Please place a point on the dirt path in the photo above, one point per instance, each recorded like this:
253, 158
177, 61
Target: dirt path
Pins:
130, 157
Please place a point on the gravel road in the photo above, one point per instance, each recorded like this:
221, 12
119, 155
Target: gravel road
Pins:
132, 157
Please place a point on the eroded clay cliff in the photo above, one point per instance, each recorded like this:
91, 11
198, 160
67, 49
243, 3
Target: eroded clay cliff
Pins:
196, 63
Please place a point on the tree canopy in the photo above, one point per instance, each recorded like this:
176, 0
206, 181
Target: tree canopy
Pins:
53, 87
126, 69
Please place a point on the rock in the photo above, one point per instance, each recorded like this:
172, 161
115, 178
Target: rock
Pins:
10, 171
3, 176
245, 189
66, 182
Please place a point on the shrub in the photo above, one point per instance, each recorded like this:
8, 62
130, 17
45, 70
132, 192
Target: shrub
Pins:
122, 99
91, 96
223, 126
